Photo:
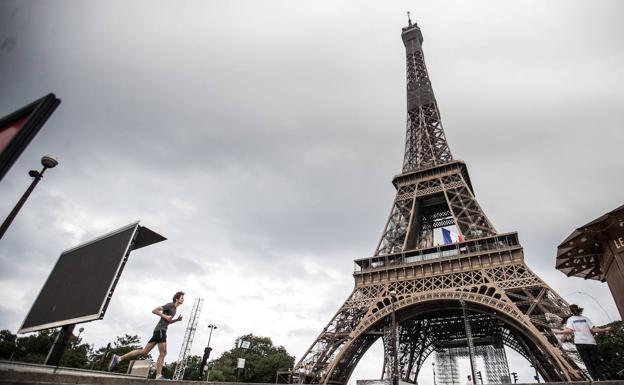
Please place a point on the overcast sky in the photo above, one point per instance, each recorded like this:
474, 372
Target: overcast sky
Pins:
261, 138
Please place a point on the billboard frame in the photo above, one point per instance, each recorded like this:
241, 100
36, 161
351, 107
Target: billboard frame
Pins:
37, 114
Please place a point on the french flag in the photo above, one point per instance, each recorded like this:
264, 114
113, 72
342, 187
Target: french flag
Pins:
451, 237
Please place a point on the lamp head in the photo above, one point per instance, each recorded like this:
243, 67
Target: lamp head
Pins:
48, 161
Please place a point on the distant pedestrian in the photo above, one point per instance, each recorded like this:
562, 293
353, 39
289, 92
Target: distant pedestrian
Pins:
166, 313
583, 330
469, 380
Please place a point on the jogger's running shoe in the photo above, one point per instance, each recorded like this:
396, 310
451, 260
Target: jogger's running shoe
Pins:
113, 362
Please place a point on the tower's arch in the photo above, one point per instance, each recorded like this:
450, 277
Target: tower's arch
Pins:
518, 334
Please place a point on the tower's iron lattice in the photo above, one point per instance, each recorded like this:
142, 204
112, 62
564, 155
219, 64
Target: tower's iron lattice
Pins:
505, 302
187, 342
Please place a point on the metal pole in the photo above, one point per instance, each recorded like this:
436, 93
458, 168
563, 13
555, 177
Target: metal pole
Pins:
37, 175
433, 368
211, 327
395, 353
104, 356
469, 340
56, 352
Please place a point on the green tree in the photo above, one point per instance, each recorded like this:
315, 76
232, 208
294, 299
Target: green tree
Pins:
120, 346
216, 375
167, 370
34, 348
262, 360
191, 372
77, 354
611, 348
8, 344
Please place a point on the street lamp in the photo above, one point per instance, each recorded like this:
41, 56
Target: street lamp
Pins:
77, 337
47, 162
395, 364
433, 369
204, 363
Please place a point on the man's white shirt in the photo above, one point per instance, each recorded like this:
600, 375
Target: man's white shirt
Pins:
582, 327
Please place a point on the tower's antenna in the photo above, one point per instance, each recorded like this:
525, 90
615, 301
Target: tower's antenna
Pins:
409, 20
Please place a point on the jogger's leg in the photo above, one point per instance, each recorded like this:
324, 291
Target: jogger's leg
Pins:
139, 352
162, 352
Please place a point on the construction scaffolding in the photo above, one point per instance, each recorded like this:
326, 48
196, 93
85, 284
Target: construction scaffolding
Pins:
446, 367
494, 357
496, 365
187, 342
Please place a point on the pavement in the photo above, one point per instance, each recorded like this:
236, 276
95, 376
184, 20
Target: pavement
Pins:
15, 373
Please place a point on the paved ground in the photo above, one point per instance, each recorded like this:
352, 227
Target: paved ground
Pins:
27, 374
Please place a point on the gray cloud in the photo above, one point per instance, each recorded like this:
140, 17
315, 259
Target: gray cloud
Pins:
261, 139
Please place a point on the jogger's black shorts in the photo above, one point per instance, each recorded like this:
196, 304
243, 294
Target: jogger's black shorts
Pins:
159, 336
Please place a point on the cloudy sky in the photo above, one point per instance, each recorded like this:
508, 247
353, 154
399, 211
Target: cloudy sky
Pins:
261, 137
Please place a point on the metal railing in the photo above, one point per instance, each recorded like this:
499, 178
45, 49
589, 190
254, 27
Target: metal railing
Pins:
500, 242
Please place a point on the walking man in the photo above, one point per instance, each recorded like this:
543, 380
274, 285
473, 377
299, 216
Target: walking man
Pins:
583, 330
166, 314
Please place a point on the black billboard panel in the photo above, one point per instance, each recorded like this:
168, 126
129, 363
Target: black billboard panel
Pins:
81, 283
20, 127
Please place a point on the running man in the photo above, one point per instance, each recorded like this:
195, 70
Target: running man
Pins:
166, 313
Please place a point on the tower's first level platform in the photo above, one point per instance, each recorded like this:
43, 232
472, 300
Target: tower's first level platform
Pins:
472, 254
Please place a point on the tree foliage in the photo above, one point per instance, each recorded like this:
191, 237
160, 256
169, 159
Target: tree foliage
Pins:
191, 372
120, 346
34, 348
262, 360
611, 348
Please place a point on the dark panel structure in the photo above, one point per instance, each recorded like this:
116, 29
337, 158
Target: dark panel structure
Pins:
469, 297
596, 251
20, 127
81, 283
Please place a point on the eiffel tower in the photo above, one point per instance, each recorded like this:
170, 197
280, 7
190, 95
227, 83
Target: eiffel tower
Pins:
462, 299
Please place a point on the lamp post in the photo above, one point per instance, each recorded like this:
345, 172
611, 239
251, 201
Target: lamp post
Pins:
395, 355
433, 369
47, 162
78, 336
204, 364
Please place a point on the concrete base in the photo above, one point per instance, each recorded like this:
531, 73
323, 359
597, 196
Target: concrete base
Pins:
12, 373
